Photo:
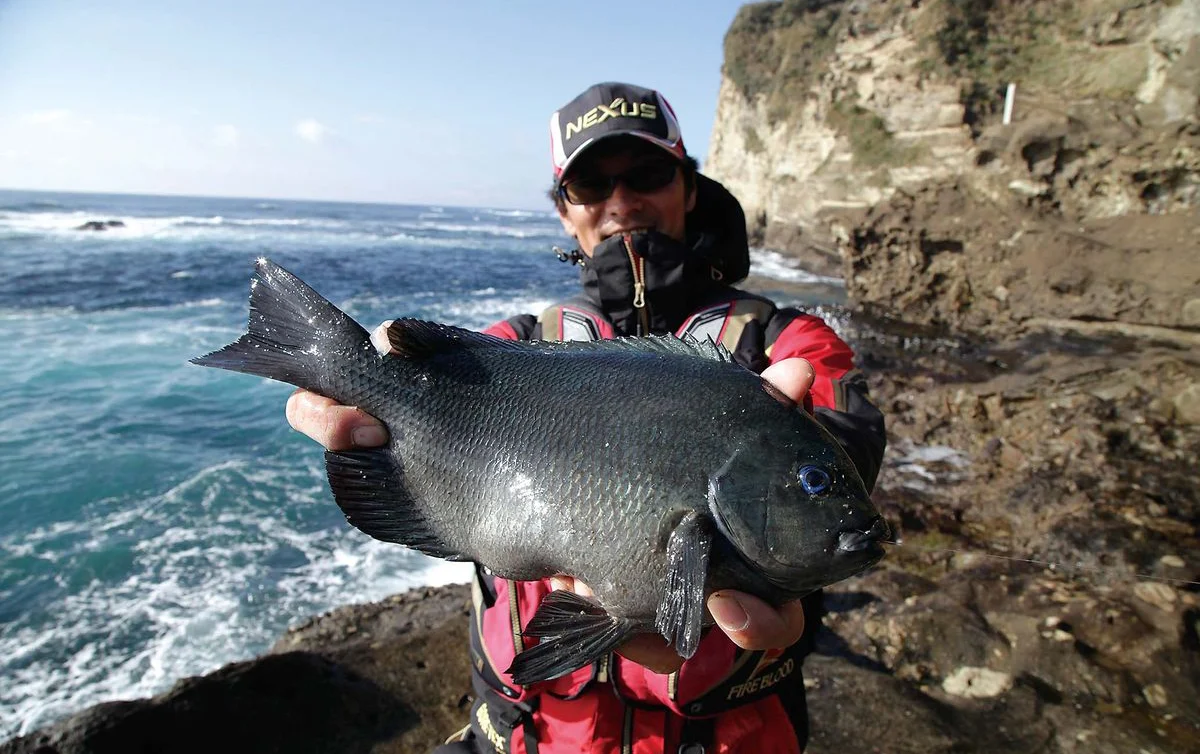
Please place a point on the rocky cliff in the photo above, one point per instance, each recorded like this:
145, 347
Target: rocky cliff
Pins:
1025, 295
870, 138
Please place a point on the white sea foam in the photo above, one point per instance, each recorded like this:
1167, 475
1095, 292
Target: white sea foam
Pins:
431, 229
197, 595
48, 312
923, 466
772, 264
66, 224
476, 229
517, 213
480, 312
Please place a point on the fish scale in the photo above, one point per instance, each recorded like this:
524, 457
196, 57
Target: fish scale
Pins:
652, 469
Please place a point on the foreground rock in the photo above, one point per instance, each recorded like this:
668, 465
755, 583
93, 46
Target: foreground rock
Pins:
385, 677
1069, 451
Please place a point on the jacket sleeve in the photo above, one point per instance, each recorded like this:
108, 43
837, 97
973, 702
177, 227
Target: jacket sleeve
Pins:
839, 393
520, 327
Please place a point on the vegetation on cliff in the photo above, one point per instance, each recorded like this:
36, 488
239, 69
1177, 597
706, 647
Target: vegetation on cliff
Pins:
779, 51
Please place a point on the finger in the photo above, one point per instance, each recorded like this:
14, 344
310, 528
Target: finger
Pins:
793, 377
562, 582
651, 651
335, 426
753, 624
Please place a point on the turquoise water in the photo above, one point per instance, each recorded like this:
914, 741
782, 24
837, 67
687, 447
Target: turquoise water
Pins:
159, 519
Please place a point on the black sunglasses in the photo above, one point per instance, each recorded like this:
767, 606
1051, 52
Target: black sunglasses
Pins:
644, 179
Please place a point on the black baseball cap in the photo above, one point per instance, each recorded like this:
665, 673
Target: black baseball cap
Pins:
607, 110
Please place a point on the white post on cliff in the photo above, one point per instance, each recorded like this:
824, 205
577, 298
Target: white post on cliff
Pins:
1008, 103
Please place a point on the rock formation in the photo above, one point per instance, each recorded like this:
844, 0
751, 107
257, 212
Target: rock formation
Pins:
870, 138
100, 225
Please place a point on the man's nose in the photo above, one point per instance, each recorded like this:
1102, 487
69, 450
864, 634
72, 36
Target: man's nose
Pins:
623, 199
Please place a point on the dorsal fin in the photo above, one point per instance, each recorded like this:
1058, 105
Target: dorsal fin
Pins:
650, 344
416, 339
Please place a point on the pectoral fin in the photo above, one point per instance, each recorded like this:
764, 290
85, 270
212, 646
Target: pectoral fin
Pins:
682, 607
574, 632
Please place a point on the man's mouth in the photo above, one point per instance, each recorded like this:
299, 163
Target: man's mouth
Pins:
637, 229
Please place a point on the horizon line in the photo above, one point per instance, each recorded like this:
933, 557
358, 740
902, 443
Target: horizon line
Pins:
173, 195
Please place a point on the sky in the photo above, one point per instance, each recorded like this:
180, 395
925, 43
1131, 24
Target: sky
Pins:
435, 102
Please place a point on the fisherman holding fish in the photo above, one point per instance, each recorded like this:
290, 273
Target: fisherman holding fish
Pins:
659, 247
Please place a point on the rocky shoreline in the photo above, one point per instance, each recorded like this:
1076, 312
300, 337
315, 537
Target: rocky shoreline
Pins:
1074, 450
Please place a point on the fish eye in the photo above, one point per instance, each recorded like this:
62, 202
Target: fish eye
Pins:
814, 479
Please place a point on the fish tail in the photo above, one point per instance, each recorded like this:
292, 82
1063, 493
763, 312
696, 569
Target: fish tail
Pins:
289, 324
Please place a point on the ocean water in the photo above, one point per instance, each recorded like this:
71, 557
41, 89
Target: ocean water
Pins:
159, 519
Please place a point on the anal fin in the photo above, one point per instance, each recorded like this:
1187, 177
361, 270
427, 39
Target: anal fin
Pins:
368, 485
681, 611
574, 632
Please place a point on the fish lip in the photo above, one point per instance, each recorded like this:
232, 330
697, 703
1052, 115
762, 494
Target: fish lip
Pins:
858, 540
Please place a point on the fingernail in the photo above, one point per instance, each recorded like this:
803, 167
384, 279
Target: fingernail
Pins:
370, 436
728, 613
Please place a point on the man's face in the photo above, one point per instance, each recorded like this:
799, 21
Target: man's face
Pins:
663, 210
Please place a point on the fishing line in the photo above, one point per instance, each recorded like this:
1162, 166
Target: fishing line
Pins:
1043, 563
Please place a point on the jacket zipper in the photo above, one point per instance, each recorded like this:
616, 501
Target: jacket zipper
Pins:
638, 264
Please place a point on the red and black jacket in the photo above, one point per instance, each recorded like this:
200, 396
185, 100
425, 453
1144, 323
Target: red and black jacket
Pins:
743, 701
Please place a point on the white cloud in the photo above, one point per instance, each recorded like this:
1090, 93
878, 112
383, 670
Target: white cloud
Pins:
370, 119
225, 135
312, 130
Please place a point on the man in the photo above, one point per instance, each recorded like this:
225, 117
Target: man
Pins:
659, 245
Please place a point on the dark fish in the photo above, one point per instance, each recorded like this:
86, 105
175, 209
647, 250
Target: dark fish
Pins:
656, 470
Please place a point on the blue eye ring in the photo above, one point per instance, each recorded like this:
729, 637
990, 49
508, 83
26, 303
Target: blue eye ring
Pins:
814, 479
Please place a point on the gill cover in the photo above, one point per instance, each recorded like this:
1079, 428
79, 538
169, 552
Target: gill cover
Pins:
782, 505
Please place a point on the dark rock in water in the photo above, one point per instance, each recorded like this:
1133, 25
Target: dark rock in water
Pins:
100, 225
391, 676
290, 702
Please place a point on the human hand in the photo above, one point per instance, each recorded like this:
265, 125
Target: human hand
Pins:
748, 621
335, 426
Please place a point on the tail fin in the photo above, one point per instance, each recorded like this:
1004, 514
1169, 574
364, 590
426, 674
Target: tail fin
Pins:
290, 327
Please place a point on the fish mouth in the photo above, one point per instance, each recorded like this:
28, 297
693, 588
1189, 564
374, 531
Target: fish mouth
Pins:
868, 541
